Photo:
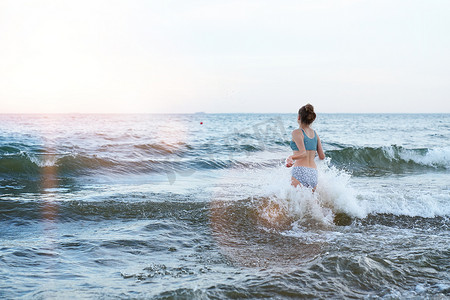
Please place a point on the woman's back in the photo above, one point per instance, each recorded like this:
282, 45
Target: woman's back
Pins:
309, 138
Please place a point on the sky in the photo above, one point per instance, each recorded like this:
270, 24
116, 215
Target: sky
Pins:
251, 56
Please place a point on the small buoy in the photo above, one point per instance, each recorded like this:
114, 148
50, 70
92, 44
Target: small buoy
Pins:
201, 123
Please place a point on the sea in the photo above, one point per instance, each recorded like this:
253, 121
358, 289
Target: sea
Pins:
200, 206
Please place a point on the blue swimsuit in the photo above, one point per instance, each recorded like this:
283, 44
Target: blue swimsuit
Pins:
310, 144
306, 176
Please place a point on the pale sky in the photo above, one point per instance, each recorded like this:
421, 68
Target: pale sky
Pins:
184, 56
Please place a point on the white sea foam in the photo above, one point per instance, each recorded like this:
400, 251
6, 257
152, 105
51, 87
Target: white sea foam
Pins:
43, 160
338, 192
407, 200
436, 157
333, 195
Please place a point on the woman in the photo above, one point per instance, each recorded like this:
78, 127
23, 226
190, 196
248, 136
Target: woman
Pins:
305, 143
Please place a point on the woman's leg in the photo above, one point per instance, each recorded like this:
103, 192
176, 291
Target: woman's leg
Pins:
295, 182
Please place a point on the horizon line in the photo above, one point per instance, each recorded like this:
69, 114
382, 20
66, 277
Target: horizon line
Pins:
207, 113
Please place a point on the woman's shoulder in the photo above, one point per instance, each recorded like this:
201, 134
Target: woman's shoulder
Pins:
297, 132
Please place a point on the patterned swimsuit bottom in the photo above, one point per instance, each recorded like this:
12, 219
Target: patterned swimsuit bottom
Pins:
306, 176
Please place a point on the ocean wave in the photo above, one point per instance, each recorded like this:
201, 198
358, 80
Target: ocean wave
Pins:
26, 164
29, 164
390, 159
29, 160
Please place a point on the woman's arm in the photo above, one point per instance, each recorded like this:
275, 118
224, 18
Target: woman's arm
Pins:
298, 156
297, 137
320, 149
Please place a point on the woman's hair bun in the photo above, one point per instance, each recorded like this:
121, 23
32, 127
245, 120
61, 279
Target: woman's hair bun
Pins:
309, 108
307, 114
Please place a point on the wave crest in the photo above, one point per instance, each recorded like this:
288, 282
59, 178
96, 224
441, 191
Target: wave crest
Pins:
390, 159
